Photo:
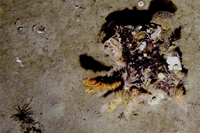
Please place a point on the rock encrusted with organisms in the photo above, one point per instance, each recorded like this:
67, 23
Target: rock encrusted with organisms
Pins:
148, 63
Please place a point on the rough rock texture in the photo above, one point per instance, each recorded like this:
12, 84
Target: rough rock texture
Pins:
51, 36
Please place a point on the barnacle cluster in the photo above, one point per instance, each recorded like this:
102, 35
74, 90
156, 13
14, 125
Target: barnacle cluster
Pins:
27, 123
148, 62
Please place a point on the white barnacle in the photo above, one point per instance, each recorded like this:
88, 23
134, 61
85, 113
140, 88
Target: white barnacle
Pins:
145, 54
140, 27
142, 46
133, 33
157, 99
171, 61
156, 33
161, 76
140, 3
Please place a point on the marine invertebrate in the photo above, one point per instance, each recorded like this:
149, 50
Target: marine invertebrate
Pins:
140, 3
98, 86
114, 49
178, 97
122, 118
165, 86
174, 61
32, 130
147, 60
23, 114
156, 33
120, 97
27, 123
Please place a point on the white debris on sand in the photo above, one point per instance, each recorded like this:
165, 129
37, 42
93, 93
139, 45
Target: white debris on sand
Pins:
20, 62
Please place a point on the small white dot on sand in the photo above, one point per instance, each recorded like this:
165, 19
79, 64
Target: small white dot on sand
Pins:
140, 3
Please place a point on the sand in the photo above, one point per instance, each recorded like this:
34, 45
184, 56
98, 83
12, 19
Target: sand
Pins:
50, 36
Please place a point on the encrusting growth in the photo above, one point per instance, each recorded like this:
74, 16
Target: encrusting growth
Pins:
120, 97
27, 123
98, 86
179, 98
148, 63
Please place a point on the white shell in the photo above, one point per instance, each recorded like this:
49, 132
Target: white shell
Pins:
156, 33
142, 46
139, 27
173, 61
158, 99
19, 61
145, 54
161, 76
140, 3
133, 33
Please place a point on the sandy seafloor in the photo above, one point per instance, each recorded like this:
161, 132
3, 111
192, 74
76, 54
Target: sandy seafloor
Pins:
51, 79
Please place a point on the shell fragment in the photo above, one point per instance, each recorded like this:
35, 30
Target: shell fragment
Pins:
173, 61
